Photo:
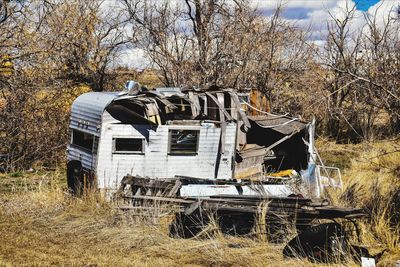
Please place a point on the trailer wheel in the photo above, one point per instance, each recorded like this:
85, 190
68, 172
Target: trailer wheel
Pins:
75, 177
324, 243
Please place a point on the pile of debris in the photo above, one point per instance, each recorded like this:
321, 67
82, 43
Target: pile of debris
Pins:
242, 214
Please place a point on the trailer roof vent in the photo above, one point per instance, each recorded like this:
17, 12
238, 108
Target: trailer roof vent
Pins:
132, 87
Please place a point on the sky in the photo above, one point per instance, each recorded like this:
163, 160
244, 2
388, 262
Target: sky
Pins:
363, 5
307, 14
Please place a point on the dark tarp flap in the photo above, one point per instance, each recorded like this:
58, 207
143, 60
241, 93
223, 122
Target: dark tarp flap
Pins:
282, 124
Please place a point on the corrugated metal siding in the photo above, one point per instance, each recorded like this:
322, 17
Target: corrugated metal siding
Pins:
86, 116
86, 158
87, 111
156, 162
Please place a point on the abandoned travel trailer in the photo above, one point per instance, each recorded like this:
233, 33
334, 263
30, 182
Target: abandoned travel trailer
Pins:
207, 152
169, 132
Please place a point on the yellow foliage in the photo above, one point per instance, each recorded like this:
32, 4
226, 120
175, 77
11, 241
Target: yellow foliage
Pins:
62, 98
6, 66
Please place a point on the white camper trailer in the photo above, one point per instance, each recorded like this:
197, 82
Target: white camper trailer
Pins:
198, 150
205, 135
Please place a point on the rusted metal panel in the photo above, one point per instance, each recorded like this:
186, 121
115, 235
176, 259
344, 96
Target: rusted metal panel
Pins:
259, 101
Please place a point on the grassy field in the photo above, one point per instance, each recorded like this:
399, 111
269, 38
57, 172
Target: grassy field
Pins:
41, 225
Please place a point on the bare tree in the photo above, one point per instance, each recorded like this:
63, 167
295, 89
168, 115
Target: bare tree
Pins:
282, 58
56, 48
381, 65
197, 42
341, 57
80, 40
362, 76
220, 42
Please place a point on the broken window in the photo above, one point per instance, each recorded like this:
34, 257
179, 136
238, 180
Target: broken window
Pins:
83, 140
183, 141
244, 98
183, 110
128, 145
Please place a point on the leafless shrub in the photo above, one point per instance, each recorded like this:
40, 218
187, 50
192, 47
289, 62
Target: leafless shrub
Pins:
362, 80
58, 50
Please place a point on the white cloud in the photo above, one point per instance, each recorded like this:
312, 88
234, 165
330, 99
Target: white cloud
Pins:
312, 4
311, 14
134, 58
306, 14
383, 9
315, 14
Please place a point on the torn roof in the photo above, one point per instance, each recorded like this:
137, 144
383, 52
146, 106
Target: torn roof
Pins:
167, 104
282, 124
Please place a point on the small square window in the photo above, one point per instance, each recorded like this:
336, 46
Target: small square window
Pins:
128, 145
83, 140
183, 142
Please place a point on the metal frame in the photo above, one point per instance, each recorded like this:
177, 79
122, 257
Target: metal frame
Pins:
334, 183
81, 147
182, 153
142, 152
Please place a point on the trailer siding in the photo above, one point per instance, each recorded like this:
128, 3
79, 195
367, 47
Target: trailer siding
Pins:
155, 161
87, 110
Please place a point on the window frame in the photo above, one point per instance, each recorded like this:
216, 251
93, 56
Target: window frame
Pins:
127, 152
83, 134
177, 153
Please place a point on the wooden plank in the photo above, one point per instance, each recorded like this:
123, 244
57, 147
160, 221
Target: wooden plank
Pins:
175, 188
150, 208
277, 204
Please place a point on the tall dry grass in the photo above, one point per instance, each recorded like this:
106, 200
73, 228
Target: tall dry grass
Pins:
371, 174
42, 225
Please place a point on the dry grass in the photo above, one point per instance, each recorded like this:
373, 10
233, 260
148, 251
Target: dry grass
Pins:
40, 225
371, 174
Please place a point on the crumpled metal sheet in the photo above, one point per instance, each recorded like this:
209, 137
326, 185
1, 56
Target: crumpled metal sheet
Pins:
282, 124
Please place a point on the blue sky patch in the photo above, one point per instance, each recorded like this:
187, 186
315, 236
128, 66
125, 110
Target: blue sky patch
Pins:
363, 5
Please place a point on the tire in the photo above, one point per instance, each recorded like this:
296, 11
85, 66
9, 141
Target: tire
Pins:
325, 243
75, 177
